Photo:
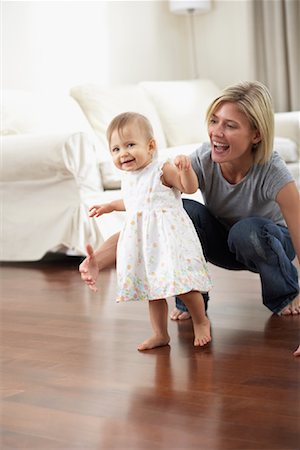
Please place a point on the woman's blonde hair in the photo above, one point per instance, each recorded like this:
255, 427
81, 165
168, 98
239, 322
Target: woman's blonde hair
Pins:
128, 118
254, 100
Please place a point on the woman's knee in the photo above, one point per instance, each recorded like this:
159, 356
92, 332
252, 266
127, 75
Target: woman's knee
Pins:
198, 214
246, 236
194, 209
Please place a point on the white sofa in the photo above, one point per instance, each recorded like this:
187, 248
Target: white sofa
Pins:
55, 160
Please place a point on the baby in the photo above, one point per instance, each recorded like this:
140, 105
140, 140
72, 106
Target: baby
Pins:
159, 254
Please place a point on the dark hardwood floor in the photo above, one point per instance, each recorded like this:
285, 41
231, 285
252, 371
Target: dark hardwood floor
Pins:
72, 378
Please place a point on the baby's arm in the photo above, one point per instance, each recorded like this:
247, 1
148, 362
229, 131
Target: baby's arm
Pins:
181, 175
105, 208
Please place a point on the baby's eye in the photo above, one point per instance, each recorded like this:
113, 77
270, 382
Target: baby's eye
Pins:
114, 149
130, 145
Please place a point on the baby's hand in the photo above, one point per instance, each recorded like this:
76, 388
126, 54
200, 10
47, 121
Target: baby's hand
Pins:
98, 210
182, 162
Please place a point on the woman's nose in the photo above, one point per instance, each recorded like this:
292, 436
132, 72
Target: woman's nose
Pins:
218, 131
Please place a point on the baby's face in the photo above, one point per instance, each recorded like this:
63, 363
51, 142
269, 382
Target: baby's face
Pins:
131, 149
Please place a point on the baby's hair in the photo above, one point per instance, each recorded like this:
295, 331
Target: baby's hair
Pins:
254, 100
127, 118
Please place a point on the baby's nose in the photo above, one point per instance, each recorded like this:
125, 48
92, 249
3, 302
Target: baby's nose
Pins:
124, 151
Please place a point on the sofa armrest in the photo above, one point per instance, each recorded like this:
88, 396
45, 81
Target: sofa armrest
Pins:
39, 157
287, 125
45, 185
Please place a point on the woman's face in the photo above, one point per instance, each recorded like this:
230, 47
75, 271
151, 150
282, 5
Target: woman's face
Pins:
231, 134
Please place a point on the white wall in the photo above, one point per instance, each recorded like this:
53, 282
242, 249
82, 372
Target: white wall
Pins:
147, 42
55, 45
45, 44
225, 42
59, 44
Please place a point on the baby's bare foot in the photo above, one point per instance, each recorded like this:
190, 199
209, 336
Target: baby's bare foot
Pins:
202, 333
153, 342
176, 314
293, 308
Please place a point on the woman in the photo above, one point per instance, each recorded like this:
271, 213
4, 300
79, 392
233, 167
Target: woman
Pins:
250, 219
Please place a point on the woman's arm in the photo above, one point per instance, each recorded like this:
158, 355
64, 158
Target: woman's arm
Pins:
181, 175
288, 199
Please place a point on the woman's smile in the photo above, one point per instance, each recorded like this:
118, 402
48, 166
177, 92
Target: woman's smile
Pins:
219, 147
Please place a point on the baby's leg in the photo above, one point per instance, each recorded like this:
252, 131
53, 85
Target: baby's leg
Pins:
195, 304
158, 310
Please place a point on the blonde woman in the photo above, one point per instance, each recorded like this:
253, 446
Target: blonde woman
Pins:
251, 216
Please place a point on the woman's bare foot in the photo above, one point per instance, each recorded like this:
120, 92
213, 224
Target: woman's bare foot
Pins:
153, 342
202, 333
297, 352
176, 314
293, 308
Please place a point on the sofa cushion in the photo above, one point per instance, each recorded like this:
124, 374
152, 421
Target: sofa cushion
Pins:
287, 124
36, 113
286, 148
110, 175
101, 104
182, 106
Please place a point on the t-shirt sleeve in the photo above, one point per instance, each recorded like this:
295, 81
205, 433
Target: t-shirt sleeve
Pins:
277, 176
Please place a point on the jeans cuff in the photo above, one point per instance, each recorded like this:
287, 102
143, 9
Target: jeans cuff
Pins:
181, 306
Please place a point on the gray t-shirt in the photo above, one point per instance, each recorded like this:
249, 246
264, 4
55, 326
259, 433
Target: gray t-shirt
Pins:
253, 196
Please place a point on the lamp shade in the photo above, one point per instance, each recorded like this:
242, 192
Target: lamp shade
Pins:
184, 7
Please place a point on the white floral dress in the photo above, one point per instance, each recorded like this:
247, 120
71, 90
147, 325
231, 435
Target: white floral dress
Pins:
159, 254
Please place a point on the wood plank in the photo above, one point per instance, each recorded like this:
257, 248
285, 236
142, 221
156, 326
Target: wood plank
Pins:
72, 378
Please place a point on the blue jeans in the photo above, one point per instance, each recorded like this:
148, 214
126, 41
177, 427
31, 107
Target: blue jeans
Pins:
254, 244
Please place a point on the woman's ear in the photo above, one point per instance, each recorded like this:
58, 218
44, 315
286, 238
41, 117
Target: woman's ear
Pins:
256, 137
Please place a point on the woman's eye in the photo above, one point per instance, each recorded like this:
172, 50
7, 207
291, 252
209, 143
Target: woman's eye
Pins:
212, 121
